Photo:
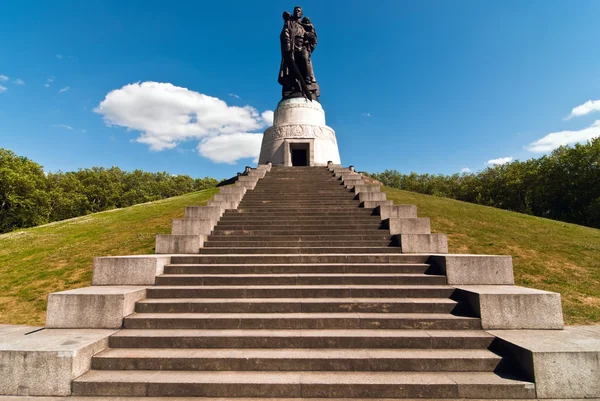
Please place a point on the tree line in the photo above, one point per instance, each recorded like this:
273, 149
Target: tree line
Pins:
563, 185
30, 197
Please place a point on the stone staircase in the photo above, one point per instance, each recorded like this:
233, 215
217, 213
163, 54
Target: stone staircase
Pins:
300, 292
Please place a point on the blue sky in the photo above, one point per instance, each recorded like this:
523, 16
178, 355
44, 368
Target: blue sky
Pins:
424, 86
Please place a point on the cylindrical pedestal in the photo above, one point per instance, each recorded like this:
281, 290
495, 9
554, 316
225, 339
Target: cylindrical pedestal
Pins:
299, 136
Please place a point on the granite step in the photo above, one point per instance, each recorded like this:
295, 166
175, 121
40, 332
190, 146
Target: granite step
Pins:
362, 338
349, 320
291, 230
296, 305
302, 291
300, 279
349, 238
278, 259
414, 268
298, 359
273, 384
302, 225
272, 243
299, 250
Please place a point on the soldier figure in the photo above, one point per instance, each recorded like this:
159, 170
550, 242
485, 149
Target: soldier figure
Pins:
298, 41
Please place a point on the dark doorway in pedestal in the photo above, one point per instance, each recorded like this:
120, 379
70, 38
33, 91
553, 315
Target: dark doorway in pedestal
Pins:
299, 157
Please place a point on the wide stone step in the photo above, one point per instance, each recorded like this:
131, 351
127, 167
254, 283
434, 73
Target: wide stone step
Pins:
293, 209
298, 359
362, 338
275, 384
241, 218
301, 225
350, 320
415, 268
291, 230
296, 305
272, 243
355, 212
298, 250
302, 291
298, 258
300, 279
349, 238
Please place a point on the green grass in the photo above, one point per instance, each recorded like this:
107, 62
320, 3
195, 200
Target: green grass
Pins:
38, 261
547, 254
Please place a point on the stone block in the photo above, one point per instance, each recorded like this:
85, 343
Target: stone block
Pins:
344, 175
222, 205
166, 243
350, 184
366, 188
246, 184
371, 196
414, 225
399, 211
333, 166
375, 204
128, 270
564, 364
257, 173
423, 243
233, 190
192, 226
234, 198
475, 269
246, 178
513, 307
213, 213
44, 363
98, 307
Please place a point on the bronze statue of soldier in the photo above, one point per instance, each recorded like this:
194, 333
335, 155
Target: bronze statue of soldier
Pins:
298, 41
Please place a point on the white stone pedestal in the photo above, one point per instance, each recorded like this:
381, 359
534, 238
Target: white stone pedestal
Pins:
299, 125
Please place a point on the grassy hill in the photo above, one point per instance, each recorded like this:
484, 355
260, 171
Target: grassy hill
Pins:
547, 254
58, 256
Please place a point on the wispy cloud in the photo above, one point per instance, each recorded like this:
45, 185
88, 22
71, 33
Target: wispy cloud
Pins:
465, 170
49, 82
59, 56
66, 88
583, 109
63, 126
499, 161
19, 81
2, 88
556, 139
235, 96
84, 131
3, 78
366, 114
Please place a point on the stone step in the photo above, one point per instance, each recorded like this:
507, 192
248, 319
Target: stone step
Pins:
352, 320
379, 235
279, 244
291, 209
362, 338
296, 305
302, 291
251, 219
275, 384
278, 259
299, 359
298, 250
302, 224
300, 279
414, 268
297, 231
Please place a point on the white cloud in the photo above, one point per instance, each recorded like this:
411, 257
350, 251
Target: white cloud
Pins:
267, 117
465, 170
66, 88
49, 82
63, 126
84, 131
366, 114
59, 56
588, 107
500, 161
556, 139
229, 148
235, 96
19, 81
2, 88
47, 85
3, 78
167, 115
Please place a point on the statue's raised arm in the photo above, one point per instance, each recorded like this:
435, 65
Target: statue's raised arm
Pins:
298, 41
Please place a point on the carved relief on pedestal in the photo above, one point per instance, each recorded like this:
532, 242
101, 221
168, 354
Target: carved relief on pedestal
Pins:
280, 132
